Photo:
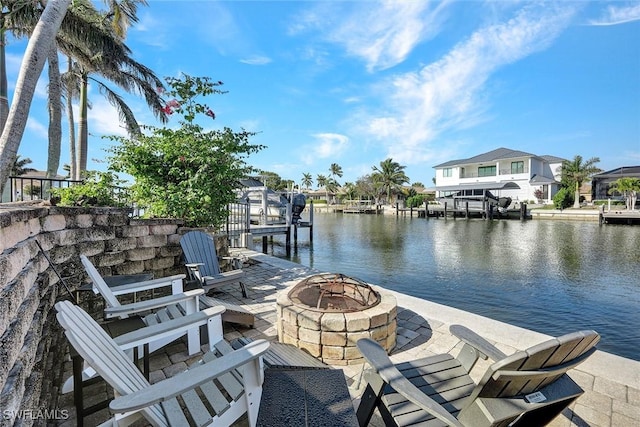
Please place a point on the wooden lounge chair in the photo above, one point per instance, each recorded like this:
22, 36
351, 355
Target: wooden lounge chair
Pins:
527, 388
165, 308
202, 262
223, 387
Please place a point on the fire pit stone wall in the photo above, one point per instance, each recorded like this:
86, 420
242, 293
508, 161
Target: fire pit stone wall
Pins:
332, 336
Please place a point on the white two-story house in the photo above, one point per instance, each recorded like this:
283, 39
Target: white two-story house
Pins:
503, 172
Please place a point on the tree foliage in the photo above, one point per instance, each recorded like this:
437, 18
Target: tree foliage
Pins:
563, 198
575, 172
390, 175
97, 189
628, 188
186, 172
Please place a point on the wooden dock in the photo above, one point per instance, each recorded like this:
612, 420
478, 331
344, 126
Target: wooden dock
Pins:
444, 211
620, 217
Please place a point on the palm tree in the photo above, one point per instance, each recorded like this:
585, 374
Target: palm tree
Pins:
35, 55
350, 191
322, 181
307, 180
390, 176
629, 188
335, 170
114, 63
575, 172
19, 166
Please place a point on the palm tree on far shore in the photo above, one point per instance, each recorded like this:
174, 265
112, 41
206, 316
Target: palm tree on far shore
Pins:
335, 170
322, 181
627, 187
390, 176
20, 166
307, 180
577, 171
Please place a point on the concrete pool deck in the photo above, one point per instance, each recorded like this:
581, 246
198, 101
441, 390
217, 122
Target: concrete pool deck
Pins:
611, 383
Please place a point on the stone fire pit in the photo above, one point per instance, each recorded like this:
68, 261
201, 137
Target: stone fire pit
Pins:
326, 314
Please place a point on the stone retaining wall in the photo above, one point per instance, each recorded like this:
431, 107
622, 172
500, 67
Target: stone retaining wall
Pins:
32, 346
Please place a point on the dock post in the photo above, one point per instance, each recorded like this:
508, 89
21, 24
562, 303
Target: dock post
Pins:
397, 209
265, 245
601, 215
466, 209
311, 221
288, 241
295, 235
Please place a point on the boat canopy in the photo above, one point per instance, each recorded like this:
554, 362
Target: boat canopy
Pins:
480, 186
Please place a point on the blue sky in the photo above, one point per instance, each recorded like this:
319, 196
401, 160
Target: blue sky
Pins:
356, 82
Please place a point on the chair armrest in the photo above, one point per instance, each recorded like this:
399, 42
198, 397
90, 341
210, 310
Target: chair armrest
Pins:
484, 347
146, 285
194, 377
169, 328
384, 367
136, 307
193, 270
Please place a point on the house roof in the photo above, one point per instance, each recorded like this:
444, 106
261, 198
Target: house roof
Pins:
537, 179
552, 159
480, 186
490, 156
621, 171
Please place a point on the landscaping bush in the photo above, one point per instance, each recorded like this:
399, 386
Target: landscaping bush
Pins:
186, 172
98, 189
563, 198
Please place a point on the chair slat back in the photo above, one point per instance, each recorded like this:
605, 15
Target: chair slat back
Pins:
530, 370
99, 283
199, 247
104, 355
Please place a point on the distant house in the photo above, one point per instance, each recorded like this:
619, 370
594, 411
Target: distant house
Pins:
503, 172
601, 182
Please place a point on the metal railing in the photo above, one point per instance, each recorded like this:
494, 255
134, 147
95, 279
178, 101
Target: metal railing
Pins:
23, 188
508, 171
238, 221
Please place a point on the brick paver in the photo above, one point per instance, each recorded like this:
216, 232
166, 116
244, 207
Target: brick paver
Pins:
606, 402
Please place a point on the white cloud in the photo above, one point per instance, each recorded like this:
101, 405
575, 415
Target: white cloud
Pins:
256, 60
614, 15
449, 94
41, 130
382, 34
103, 119
326, 145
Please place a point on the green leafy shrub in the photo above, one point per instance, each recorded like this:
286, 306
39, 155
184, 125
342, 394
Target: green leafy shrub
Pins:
563, 198
415, 201
98, 189
185, 172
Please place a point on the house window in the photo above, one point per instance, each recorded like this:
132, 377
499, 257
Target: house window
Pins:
517, 167
447, 172
487, 171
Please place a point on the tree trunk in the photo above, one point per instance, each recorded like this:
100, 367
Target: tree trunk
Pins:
576, 201
34, 58
4, 97
72, 126
55, 113
83, 131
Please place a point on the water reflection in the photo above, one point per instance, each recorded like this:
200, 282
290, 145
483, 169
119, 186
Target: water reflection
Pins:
550, 276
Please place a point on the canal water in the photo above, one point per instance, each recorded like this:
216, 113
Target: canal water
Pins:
554, 277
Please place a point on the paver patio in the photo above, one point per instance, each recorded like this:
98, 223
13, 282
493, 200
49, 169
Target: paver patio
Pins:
611, 383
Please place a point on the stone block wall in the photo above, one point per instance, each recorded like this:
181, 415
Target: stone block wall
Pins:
32, 345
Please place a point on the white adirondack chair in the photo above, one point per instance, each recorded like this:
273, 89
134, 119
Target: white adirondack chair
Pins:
162, 309
223, 387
